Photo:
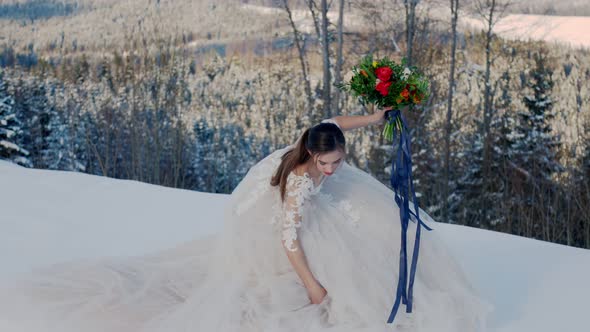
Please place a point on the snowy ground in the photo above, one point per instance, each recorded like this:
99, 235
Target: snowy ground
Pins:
565, 30
51, 216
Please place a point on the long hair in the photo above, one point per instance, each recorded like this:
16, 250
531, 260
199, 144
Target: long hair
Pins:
322, 138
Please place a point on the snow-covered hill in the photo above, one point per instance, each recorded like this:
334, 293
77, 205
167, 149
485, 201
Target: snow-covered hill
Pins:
565, 30
50, 216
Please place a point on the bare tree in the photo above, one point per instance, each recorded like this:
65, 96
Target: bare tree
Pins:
339, 60
301, 51
314, 16
454, 16
410, 6
491, 11
375, 18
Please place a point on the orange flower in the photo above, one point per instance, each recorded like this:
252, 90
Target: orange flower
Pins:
364, 73
417, 100
405, 94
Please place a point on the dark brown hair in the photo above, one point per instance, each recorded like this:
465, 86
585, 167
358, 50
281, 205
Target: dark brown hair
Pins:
322, 138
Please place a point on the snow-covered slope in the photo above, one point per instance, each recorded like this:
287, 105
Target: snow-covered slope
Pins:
566, 30
50, 216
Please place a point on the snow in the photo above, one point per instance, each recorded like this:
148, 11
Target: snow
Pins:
9, 145
54, 216
566, 30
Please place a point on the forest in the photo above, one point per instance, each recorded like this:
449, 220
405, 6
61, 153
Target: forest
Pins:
503, 142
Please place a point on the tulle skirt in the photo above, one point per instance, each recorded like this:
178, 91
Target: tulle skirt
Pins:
241, 280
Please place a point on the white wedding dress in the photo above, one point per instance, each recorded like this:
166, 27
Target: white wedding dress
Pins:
241, 279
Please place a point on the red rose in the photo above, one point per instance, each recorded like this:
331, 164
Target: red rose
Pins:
383, 88
383, 73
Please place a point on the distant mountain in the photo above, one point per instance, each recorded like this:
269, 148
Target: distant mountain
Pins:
40, 9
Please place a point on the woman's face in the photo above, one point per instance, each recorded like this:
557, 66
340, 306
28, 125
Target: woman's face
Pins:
328, 162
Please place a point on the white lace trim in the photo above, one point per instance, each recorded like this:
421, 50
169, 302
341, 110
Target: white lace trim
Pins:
299, 189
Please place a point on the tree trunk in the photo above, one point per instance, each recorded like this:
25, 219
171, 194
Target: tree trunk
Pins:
487, 114
339, 60
447, 171
410, 6
316, 24
301, 51
326, 61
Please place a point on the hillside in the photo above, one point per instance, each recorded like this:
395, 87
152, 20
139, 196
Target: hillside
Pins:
564, 30
99, 25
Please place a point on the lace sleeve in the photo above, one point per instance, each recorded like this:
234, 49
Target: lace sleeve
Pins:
293, 209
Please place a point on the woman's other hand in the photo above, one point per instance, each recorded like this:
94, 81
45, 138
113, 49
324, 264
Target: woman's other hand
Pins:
316, 293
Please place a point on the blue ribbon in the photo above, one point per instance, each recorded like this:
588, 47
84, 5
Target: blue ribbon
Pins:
402, 184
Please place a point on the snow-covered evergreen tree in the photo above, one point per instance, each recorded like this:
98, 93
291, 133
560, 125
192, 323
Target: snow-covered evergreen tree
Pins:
59, 153
68, 107
535, 145
534, 157
223, 156
427, 166
34, 111
585, 183
479, 200
480, 196
465, 200
10, 129
586, 164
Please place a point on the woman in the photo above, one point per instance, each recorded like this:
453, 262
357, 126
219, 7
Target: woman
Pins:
312, 158
309, 243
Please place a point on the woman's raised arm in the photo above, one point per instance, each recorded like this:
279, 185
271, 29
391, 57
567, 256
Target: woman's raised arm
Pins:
348, 122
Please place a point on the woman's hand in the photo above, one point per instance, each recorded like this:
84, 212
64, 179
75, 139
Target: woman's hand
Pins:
316, 293
380, 115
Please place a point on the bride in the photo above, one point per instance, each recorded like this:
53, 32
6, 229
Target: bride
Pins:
309, 243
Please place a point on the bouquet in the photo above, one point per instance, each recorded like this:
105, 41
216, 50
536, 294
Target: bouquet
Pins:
388, 84
385, 83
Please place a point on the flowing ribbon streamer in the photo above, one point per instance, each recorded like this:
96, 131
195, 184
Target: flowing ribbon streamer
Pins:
402, 184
